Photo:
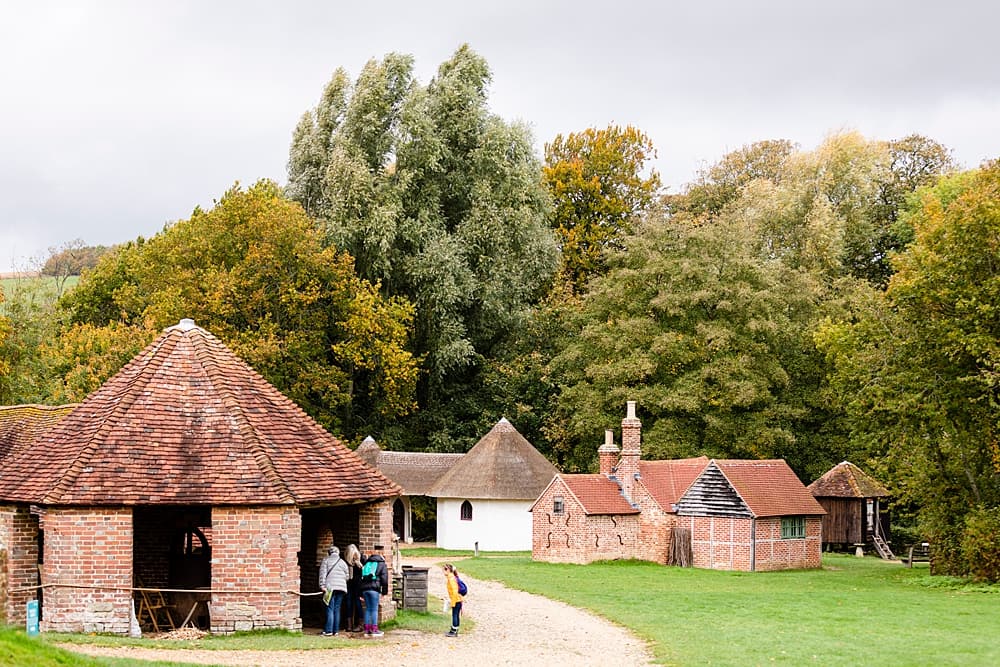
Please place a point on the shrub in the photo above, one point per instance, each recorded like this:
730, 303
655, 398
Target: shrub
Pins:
981, 544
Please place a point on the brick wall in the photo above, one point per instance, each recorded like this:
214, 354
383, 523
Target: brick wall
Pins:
19, 556
255, 549
774, 553
724, 543
91, 548
574, 537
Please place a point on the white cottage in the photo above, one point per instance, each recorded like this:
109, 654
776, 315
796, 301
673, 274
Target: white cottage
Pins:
485, 497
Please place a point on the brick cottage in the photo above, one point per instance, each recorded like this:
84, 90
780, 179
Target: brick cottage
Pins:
186, 470
720, 514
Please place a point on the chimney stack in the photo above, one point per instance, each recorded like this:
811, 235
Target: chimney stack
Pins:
607, 453
628, 466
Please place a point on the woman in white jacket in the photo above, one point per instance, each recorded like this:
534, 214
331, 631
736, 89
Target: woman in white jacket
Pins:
333, 575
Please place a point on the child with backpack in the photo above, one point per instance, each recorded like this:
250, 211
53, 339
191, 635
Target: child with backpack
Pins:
456, 590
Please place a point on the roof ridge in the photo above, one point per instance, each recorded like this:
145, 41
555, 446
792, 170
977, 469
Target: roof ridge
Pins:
218, 381
127, 399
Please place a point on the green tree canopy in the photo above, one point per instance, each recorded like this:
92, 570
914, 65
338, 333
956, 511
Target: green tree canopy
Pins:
439, 201
601, 182
253, 271
919, 369
705, 336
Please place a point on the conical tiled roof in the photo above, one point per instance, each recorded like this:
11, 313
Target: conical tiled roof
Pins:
188, 422
846, 480
502, 465
21, 424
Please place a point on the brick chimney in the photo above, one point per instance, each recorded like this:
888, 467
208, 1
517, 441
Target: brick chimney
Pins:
607, 453
628, 465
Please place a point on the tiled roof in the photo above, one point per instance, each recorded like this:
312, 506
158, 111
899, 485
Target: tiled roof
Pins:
21, 424
667, 481
598, 494
846, 480
501, 466
188, 422
769, 488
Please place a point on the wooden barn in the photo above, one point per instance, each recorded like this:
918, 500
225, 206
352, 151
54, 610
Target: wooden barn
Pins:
187, 473
856, 513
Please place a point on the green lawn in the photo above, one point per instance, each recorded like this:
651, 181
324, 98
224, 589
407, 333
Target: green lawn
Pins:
852, 612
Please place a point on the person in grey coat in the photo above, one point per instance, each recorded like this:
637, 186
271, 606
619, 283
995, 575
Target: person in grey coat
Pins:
333, 575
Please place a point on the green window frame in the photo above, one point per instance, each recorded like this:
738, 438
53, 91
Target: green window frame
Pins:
793, 527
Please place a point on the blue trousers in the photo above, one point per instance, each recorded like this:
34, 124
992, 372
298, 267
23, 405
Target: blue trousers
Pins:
333, 612
371, 607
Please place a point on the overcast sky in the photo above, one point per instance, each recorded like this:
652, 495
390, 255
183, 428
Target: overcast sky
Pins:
118, 117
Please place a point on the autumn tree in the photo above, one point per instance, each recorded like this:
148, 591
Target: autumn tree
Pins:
601, 183
253, 271
706, 337
919, 368
439, 201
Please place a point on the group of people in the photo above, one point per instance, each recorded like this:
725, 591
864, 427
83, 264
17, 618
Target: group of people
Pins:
352, 579
345, 587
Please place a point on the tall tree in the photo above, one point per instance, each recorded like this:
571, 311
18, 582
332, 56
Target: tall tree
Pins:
920, 369
441, 202
253, 271
601, 183
706, 337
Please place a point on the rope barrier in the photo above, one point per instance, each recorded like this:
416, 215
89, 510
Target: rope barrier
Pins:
23, 589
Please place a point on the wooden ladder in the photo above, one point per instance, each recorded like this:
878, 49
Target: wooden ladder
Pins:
882, 548
151, 605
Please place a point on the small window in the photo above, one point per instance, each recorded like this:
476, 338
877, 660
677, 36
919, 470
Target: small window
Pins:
793, 527
558, 507
466, 510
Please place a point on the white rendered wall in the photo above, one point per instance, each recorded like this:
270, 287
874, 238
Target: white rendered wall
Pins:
498, 525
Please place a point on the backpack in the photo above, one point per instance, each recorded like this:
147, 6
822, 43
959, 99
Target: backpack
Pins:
462, 588
370, 571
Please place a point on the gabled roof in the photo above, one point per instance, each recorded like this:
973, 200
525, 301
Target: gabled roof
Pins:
21, 424
846, 480
415, 472
595, 493
501, 466
667, 481
188, 422
769, 487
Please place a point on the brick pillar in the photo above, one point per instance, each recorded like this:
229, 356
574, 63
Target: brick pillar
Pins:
628, 465
19, 557
89, 551
375, 527
255, 569
607, 454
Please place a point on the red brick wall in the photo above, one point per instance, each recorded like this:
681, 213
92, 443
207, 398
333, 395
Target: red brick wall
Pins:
19, 544
724, 543
255, 549
574, 537
774, 553
91, 548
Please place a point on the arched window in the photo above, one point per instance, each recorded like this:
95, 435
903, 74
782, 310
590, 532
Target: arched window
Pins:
466, 510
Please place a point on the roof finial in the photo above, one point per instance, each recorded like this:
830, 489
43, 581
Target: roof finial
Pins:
186, 324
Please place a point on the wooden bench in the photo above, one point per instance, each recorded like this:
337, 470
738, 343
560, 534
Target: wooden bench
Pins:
920, 553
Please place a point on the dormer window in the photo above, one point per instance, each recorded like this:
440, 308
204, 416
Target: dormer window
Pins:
558, 506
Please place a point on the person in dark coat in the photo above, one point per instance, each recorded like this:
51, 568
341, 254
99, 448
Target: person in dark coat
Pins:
373, 587
352, 610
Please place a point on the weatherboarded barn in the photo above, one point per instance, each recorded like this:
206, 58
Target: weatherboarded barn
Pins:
855, 507
485, 497
733, 515
184, 470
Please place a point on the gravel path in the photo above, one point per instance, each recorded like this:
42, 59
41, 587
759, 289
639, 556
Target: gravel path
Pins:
512, 628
